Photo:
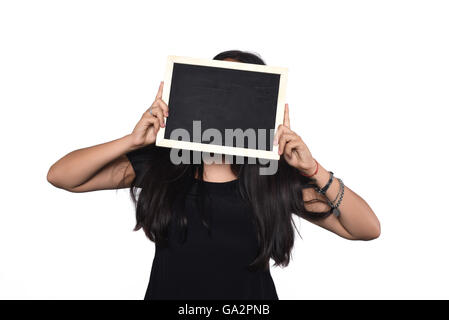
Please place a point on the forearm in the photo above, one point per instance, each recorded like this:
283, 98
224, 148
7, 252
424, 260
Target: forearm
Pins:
356, 216
78, 166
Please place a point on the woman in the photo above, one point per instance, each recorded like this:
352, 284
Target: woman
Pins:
216, 226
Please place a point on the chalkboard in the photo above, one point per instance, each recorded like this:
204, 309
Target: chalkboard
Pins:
222, 106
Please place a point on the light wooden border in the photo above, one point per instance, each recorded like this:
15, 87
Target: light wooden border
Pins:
273, 155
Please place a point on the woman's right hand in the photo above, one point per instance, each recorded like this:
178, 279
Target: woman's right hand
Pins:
146, 129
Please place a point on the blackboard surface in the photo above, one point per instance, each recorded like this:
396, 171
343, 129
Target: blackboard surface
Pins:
222, 99
223, 107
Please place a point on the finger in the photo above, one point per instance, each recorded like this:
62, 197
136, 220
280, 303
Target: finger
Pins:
149, 112
161, 103
279, 132
292, 145
157, 112
283, 139
156, 125
153, 120
286, 116
150, 120
159, 91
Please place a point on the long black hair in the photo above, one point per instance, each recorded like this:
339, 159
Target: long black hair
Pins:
272, 198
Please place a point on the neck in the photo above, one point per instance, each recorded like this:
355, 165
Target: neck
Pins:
218, 172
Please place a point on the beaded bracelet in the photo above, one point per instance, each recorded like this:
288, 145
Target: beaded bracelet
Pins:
324, 189
342, 193
339, 196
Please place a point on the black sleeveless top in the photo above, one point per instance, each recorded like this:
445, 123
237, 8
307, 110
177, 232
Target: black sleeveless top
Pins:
209, 265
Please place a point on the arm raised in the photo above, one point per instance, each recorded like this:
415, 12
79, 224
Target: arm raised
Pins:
106, 166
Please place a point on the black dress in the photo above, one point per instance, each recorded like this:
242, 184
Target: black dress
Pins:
209, 265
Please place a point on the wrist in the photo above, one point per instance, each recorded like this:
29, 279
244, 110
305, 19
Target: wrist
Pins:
128, 141
310, 173
321, 177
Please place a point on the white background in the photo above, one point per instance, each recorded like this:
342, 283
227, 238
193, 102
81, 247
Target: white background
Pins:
368, 91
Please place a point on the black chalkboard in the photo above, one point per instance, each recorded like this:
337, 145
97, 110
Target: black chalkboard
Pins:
222, 98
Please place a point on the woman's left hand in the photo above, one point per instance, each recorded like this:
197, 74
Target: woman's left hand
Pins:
293, 148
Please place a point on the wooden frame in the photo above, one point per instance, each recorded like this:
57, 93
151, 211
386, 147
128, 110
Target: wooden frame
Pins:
273, 155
